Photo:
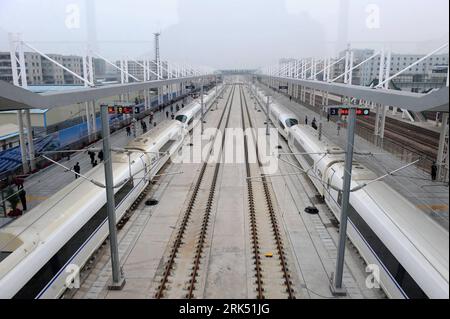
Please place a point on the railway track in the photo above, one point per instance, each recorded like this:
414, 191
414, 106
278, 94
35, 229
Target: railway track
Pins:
272, 277
408, 139
188, 248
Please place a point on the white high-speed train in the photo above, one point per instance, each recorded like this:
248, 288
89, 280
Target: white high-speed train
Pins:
282, 119
410, 249
38, 250
190, 114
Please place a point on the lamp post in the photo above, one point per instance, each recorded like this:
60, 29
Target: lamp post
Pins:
118, 281
336, 283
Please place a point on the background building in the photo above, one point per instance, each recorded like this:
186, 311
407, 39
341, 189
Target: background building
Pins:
75, 64
33, 65
429, 74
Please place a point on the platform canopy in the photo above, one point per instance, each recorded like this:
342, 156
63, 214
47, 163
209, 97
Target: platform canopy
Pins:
435, 101
15, 98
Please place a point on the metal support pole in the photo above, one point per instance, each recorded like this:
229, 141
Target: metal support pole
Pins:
30, 140
320, 131
267, 116
443, 148
118, 281
202, 106
94, 120
23, 149
336, 284
88, 120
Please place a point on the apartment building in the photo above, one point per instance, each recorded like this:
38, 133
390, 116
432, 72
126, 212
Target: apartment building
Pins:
33, 66
42, 71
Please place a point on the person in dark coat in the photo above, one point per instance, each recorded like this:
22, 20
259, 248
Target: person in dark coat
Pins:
167, 114
77, 169
144, 127
23, 198
92, 156
313, 124
100, 156
306, 120
95, 164
128, 131
434, 169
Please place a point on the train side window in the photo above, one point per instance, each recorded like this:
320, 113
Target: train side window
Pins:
339, 199
390, 262
328, 184
4, 254
282, 125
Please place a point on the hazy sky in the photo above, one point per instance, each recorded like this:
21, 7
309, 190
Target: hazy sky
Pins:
225, 33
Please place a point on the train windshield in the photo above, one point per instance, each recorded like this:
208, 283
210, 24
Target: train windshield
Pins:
291, 122
181, 118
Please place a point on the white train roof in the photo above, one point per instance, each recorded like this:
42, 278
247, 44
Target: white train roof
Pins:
431, 239
282, 111
151, 138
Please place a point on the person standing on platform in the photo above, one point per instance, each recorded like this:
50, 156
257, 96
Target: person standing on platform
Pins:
167, 114
434, 169
95, 163
328, 117
23, 198
144, 127
100, 156
306, 120
150, 121
77, 169
128, 131
92, 156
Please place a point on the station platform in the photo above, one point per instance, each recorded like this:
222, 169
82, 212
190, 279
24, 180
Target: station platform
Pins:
413, 183
43, 184
226, 270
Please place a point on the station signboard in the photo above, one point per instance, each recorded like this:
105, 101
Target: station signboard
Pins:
119, 109
345, 111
